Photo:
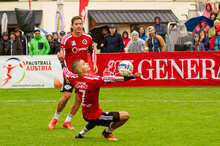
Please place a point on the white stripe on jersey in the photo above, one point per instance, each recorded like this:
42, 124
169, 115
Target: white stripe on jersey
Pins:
92, 78
86, 34
65, 38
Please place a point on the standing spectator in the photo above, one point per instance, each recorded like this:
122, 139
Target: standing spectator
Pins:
113, 42
4, 44
197, 45
62, 34
136, 44
212, 30
15, 45
208, 10
56, 42
142, 34
161, 29
204, 40
213, 16
21, 38
154, 43
39, 44
51, 43
100, 43
215, 41
202, 25
126, 39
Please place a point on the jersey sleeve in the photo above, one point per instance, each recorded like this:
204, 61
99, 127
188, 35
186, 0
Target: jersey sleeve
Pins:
69, 75
92, 51
110, 79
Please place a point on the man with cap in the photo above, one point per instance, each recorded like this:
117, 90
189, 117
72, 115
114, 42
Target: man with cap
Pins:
21, 38
39, 44
113, 42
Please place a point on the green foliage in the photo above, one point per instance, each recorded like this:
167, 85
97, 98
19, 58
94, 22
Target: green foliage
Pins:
159, 116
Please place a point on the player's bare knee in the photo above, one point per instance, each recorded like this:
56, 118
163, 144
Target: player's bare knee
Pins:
67, 95
124, 115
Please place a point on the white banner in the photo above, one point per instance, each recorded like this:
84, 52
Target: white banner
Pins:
30, 72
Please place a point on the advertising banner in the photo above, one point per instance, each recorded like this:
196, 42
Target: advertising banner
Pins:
166, 68
30, 72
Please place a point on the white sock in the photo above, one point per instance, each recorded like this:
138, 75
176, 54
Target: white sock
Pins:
56, 115
69, 117
83, 131
109, 129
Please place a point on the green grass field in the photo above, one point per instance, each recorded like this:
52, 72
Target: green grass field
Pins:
159, 116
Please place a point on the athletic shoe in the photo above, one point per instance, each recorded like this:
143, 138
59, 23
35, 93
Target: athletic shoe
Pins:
109, 136
52, 124
79, 136
68, 125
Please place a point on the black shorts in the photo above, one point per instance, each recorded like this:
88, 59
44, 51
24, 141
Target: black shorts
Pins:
67, 87
105, 119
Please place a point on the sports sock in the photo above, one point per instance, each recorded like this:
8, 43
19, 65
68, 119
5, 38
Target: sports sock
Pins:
109, 129
69, 117
83, 131
56, 115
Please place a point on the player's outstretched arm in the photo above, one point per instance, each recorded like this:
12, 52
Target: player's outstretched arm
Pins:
120, 78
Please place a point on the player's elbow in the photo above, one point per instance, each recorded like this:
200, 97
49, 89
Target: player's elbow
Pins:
124, 116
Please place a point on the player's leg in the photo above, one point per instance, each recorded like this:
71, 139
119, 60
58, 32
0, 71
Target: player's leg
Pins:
91, 124
67, 93
119, 119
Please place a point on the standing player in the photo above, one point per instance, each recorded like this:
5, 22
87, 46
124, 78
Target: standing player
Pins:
75, 45
87, 87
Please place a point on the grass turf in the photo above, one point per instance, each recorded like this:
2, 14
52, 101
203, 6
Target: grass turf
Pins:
159, 116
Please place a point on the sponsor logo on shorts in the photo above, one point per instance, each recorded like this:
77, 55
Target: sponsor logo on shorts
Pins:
67, 87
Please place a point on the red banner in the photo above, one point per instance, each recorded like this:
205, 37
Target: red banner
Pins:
166, 68
83, 8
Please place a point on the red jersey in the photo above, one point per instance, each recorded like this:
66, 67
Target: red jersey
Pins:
77, 48
88, 87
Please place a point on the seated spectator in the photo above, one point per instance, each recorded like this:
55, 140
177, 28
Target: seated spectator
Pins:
4, 44
154, 43
215, 41
197, 45
113, 42
51, 43
21, 38
39, 44
204, 40
126, 39
142, 34
208, 10
136, 44
15, 45
212, 30
161, 29
56, 42
213, 16
202, 25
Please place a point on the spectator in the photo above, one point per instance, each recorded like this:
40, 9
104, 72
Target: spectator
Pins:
142, 34
208, 10
39, 44
202, 25
4, 44
197, 45
136, 44
212, 30
100, 43
215, 41
51, 43
213, 16
56, 42
154, 43
161, 29
62, 34
15, 46
113, 41
204, 40
21, 38
126, 39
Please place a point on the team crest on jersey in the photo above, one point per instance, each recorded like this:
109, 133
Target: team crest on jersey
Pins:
73, 43
75, 50
84, 41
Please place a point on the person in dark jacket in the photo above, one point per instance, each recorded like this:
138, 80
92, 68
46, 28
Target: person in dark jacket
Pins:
113, 42
161, 29
49, 38
15, 46
56, 42
142, 34
21, 38
4, 44
100, 43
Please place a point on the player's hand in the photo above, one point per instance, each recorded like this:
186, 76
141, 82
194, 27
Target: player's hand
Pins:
67, 81
95, 68
137, 75
60, 56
